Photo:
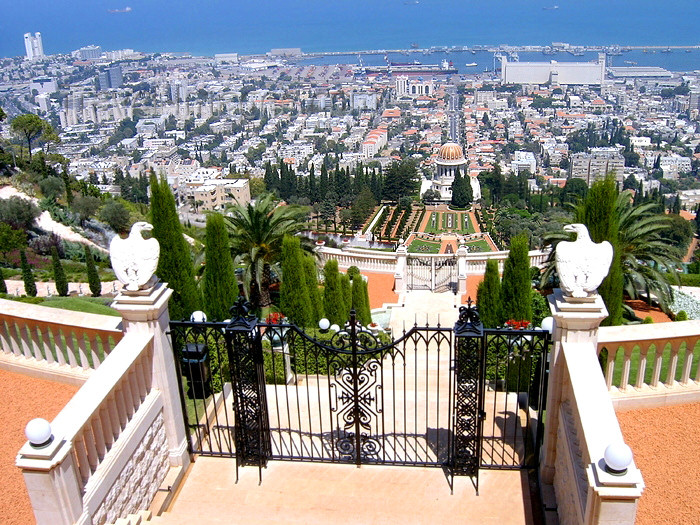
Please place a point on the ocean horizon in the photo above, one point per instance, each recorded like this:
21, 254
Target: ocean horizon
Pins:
217, 26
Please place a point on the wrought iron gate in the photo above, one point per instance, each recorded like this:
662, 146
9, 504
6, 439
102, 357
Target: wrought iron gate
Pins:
420, 273
445, 275
463, 398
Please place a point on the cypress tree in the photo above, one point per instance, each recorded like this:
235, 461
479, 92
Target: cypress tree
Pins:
27, 275
488, 296
3, 287
175, 264
92, 275
314, 291
333, 302
598, 214
219, 281
294, 293
346, 287
359, 300
367, 315
516, 288
461, 191
59, 276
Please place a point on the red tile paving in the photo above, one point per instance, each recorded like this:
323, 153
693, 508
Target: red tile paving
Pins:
24, 398
380, 287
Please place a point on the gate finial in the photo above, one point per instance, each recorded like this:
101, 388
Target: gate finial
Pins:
469, 323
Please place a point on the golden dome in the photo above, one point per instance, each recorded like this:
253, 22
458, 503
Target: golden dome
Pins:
450, 152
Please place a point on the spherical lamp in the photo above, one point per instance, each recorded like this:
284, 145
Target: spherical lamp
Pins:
618, 456
548, 324
324, 324
38, 432
335, 327
198, 317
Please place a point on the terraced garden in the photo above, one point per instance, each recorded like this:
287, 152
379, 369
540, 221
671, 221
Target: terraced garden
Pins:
449, 222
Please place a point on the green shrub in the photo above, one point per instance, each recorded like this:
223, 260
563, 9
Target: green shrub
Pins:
3, 287
59, 275
92, 275
27, 276
682, 316
648, 320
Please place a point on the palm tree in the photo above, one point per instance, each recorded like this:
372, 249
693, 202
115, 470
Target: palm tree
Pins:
257, 231
645, 256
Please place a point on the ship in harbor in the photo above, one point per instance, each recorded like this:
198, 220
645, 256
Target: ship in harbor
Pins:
443, 68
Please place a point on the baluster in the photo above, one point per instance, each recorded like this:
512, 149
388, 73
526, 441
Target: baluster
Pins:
126, 402
98, 433
610, 367
624, 380
56, 336
89, 440
5, 340
48, 347
93, 339
107, 427
642, 370
140, 380
82, 349
33, 332
106, 349
658, 361
25, 341
70, 348
113, 412
673, 363
81, 457
133, 388
688, 361
121, 409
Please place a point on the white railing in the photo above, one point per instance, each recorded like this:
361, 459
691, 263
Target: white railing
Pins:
586, 425
366, 262
372, 261
96, 435
650, 364
69, 343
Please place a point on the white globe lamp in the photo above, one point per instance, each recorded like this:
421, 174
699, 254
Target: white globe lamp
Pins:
335, 327
324, 324
548, 324
38, 432
198, 317
617, 456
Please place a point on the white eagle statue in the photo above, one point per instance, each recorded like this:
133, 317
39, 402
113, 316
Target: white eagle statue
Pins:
135, 259
582, 264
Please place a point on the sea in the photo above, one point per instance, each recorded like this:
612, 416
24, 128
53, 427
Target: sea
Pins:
206, 27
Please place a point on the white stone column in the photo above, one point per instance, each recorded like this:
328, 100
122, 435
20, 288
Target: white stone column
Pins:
461, 269
53, 483
400, 272
575, 322
147, 311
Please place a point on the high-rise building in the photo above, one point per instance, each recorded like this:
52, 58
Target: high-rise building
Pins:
89, 52
110, 78
597, 164
33, 46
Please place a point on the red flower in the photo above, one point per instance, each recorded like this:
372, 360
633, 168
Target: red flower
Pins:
274, 318
517, 325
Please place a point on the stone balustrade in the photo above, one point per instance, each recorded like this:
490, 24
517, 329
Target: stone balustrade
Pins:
581, 424
36, 340
373, 261
650, 364
95, 469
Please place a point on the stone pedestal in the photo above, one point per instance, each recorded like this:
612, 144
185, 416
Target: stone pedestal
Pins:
574, 322
146, 311
400, 272
461, 269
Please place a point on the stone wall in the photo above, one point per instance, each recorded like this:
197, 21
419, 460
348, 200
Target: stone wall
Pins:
140, 478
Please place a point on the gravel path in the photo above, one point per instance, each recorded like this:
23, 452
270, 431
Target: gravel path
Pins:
24, 398
666, 446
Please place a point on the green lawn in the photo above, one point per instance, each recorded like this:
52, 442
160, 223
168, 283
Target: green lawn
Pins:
438, 222
419, 246
433, 223
666, 358
478, 246
90, 305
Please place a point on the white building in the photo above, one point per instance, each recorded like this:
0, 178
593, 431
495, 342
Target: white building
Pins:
33, 45
564, 73
43, 85
451, 159
673, 165
524, 160
413, 87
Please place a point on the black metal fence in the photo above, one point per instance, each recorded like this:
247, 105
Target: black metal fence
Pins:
462, 398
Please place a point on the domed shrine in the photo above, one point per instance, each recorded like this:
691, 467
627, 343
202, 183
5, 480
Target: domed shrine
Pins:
450, 159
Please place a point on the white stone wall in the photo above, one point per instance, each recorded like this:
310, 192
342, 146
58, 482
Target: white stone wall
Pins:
140, 478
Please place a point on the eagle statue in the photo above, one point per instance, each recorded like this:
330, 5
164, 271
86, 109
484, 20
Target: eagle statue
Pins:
582, 264
135, 259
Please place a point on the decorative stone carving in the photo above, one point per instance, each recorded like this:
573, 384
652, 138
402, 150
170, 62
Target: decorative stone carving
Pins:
135, 259
582, 264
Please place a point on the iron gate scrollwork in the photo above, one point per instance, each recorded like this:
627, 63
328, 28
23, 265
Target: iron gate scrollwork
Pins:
420, 273
446, 275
